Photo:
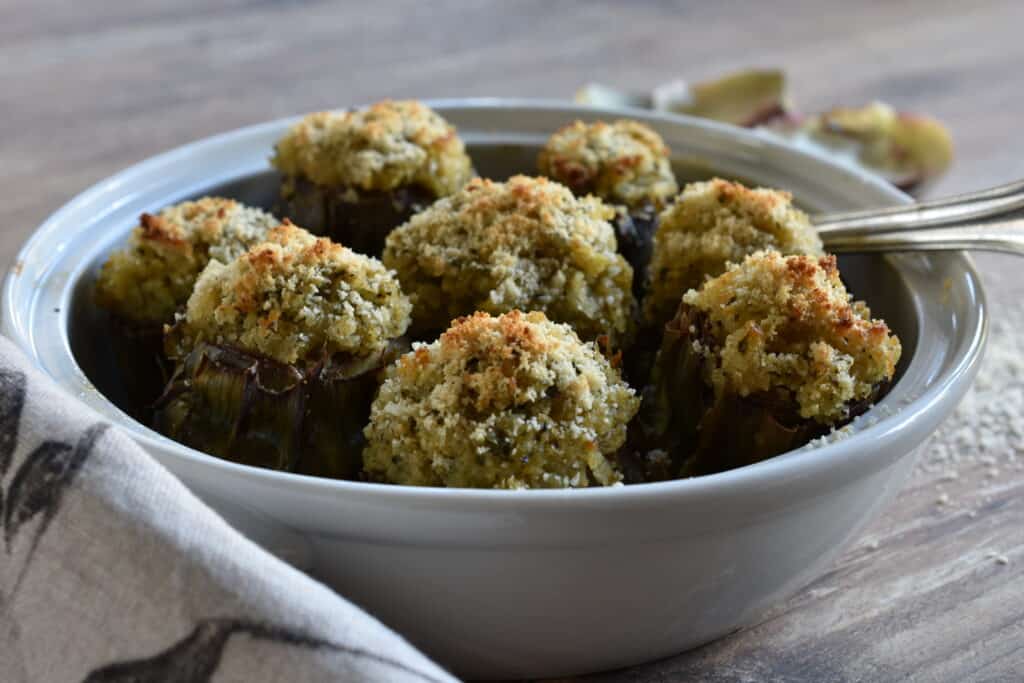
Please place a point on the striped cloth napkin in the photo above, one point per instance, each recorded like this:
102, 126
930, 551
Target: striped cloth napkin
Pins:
112, 571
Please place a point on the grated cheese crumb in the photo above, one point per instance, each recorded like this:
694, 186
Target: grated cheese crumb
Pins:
624, 162
714, 223
513, 401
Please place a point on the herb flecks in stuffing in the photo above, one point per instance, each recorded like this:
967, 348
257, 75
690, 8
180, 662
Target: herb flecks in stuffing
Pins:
525, 244
787, 322
297, 295
513, 401
154, 275
624, 162
385, 146
713, 223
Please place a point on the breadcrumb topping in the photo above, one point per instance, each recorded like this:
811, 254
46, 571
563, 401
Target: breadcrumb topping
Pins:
525, 244
777, 321
624, 162
513, 401
714, 223
387, 145
147, 281
297, 297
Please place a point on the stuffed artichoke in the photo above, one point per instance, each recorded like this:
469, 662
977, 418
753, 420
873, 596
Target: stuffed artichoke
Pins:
714, 223
525, 244
513, 401
761, 359
627, 165
142, 285
356, 175
277, 355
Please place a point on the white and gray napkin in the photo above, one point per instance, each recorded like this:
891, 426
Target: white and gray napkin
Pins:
112, 571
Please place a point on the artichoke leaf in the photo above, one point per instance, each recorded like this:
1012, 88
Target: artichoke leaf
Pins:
257, 411
359, 220
634, 232
744, 98
738, 431
702, 432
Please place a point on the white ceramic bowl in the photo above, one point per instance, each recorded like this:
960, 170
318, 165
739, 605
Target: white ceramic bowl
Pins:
542, 583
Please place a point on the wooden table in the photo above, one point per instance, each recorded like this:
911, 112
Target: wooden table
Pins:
88, 89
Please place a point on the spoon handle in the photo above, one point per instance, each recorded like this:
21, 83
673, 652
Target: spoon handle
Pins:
990, 220
1005, 236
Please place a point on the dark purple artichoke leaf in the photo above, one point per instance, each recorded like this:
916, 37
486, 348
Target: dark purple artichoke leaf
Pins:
257, 411
742, 430
634, 232
138, 369
359, 220
337, 410
685, 423
673, 401
234, 405
701, 432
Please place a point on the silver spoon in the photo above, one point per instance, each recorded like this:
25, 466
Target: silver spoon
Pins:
990, 220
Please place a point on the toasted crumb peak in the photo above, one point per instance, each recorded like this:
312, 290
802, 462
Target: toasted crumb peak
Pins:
387, 145
513, 401
147, 281
527, 244
777, 321
714, 223
297, 297
624, 162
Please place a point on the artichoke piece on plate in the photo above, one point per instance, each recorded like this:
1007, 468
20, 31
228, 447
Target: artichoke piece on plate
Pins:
760, 360
627, 165
525, 244
744, 98
513, 401
906, 149
278, 355
356, 175
141, 286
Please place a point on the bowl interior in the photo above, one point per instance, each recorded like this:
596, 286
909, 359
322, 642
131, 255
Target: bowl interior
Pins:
873, 278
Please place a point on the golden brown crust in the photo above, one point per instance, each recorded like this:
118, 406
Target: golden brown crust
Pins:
513, 401
624, 162
524, 244
777, 321
296, 297
714, 223
147, 281
387, 145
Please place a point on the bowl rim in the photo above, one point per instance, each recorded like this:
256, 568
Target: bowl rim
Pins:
809, 463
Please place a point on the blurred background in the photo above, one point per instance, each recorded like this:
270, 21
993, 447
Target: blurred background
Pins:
89, 87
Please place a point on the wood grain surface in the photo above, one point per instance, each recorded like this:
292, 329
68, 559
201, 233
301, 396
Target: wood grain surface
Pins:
90, 87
